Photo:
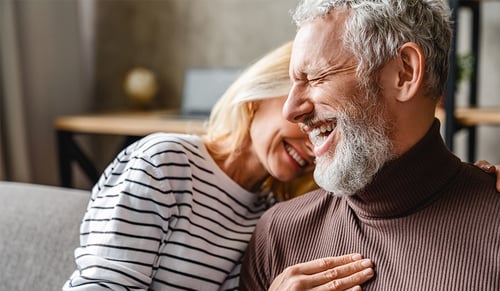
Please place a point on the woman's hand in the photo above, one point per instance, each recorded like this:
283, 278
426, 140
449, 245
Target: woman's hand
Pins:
489, 168
331, 273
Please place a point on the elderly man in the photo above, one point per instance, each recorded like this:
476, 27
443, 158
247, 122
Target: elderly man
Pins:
367, 76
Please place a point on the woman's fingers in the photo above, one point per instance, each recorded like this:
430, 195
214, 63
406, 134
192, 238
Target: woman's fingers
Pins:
489, 168
331, 273
485, 166
343, 277
322, 264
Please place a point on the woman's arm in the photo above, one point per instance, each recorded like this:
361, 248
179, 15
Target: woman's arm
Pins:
123, 228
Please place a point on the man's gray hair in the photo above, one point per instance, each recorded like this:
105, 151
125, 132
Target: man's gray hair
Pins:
375, 30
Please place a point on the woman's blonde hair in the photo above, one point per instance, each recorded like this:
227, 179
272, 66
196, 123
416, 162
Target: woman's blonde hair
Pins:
229, 122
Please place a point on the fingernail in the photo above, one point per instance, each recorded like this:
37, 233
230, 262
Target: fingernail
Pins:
368, 272
366, 263
356, 257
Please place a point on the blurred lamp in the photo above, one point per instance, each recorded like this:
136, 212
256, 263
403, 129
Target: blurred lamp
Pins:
140, 86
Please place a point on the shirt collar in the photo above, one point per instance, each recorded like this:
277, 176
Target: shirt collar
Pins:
409, 182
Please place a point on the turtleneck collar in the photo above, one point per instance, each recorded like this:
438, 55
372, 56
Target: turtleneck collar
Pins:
410, 181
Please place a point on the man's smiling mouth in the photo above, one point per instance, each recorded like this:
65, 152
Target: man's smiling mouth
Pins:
321, 133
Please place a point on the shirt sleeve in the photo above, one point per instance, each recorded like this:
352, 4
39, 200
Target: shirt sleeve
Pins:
124, 226
255, 269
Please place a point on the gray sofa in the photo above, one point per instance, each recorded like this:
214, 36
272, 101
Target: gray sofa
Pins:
39, 227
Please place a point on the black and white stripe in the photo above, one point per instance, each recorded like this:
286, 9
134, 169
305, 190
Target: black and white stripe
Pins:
164, 216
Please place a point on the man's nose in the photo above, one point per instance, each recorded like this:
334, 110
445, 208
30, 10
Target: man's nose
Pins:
297, 105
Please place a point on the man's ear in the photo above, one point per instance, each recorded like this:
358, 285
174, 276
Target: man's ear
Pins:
411, 66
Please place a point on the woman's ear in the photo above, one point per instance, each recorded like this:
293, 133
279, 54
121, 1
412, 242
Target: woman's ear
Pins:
411, 66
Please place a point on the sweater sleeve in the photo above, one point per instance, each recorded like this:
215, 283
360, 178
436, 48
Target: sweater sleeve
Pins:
255, 270
124, 226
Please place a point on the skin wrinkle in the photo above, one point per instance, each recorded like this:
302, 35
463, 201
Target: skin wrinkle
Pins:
332, 71
338, 101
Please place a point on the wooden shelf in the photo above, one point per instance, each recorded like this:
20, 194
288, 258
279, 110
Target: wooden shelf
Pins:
469, 116
472, 116
478, 116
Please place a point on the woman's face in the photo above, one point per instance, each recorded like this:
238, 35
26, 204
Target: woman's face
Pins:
281, 147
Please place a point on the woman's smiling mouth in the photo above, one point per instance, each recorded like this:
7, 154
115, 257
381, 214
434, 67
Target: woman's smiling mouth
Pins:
295, 156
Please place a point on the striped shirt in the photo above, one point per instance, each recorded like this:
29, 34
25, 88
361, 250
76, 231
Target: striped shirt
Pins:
164, 216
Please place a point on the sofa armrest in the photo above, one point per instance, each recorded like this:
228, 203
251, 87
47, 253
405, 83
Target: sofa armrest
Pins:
39, 230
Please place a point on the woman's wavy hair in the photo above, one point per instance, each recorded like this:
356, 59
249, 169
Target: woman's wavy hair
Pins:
229, 122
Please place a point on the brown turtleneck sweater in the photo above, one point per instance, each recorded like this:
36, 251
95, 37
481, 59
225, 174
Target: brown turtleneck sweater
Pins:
428, 222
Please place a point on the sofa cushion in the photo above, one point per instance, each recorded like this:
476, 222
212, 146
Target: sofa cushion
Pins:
39, 229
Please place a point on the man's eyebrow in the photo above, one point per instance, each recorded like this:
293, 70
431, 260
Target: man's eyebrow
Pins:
316, 72
320, 72
337, 70
312, 70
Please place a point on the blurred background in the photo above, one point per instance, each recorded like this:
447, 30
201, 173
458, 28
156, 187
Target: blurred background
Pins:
64, 57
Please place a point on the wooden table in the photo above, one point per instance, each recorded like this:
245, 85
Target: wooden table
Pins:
132, 125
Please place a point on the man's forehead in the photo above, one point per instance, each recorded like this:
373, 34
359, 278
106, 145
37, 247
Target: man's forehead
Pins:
329, 28
319, 45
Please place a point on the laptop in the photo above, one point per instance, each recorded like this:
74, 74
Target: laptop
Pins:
202, 88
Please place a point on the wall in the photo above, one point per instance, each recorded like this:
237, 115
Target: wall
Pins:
169, 36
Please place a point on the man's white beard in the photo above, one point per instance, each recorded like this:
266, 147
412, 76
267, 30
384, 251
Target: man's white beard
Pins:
363, 150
